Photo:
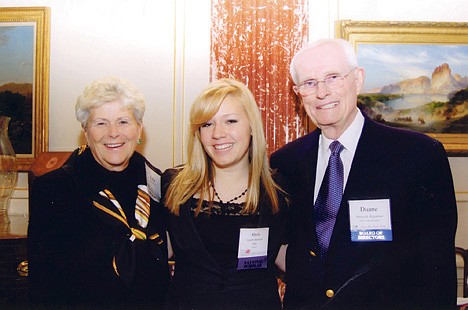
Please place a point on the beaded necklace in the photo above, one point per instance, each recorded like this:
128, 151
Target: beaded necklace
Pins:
231, 200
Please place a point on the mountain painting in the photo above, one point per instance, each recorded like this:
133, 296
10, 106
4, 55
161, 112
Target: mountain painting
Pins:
423, 87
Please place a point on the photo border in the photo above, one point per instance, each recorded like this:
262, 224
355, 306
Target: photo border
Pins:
40, 16
385, 32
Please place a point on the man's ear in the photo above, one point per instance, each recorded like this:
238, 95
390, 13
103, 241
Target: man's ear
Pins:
360, 76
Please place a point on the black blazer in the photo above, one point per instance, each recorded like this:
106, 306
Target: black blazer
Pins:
417, 268
72, 244
200, 283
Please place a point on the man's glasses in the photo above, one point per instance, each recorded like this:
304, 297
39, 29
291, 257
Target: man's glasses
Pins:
309, 87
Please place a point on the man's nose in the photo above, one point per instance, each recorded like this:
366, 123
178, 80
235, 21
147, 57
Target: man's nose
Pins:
322, 90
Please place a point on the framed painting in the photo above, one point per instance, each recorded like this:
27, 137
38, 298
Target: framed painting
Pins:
24, 79
416, 76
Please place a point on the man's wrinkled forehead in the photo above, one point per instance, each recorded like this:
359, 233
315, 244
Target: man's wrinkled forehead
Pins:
320, 60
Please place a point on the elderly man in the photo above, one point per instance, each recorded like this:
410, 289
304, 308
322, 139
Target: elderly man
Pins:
374, 214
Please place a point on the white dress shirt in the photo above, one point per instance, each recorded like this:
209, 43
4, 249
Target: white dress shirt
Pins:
349, 139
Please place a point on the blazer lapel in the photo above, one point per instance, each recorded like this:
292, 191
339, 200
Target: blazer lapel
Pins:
368, 155
308, 168
367, 159
187, 226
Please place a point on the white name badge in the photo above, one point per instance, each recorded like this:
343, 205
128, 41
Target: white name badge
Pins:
153, 181
370, 220
253, 248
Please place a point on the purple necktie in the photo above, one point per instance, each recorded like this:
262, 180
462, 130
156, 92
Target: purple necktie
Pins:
329, 198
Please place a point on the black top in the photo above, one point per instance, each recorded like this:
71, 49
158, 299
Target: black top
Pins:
225, 219
80, 254
205, 248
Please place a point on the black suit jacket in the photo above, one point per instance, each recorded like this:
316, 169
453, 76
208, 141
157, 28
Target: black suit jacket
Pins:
417, 268
72, 245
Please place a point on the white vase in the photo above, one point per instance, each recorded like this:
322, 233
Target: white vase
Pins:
8, 170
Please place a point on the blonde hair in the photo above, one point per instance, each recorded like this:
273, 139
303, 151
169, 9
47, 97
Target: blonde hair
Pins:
198, 172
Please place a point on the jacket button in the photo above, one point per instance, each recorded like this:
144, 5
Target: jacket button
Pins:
329, 293
312, 253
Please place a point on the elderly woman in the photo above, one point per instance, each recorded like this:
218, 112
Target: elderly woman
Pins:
227, 213
97, 234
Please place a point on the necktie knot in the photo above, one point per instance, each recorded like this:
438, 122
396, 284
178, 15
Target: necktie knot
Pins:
336, 147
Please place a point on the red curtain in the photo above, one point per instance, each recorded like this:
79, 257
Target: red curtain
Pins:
253, 41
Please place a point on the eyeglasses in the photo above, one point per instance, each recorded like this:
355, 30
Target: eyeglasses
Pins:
309, 87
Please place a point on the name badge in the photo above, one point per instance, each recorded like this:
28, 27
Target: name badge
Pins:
253, 248
153, 181
370, 220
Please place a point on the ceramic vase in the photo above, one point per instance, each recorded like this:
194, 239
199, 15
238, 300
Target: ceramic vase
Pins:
8, 170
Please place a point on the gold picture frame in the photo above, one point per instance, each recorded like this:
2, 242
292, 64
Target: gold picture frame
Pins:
36, 22
434, 35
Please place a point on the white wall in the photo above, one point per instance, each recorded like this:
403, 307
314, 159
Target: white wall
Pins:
163, 47
150, 42
160, 45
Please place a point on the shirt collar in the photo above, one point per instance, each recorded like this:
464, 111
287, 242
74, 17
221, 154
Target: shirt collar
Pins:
350, 137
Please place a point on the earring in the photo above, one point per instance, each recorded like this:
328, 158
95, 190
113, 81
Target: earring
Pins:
139, 141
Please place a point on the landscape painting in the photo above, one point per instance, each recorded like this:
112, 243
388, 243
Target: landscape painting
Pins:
16, 84
419, 86
24, 79
416, 76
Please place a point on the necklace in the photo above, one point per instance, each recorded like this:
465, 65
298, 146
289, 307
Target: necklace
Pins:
230, 200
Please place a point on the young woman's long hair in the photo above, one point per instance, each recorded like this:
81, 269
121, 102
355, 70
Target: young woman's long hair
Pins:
197, 174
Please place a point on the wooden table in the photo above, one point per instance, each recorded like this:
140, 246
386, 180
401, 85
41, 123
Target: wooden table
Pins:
13, 261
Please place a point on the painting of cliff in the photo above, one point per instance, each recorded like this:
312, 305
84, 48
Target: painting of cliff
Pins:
423, 87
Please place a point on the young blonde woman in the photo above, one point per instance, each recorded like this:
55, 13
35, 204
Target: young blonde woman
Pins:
227, 211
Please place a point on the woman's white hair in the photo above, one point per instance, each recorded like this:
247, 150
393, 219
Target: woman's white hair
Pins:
109, 89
